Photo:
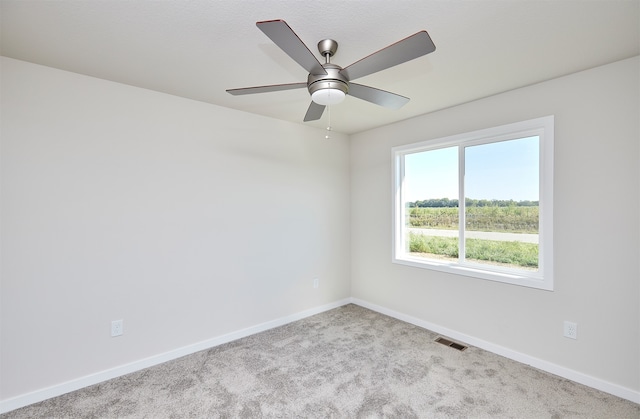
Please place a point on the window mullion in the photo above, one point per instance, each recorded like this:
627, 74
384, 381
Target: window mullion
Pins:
461, 207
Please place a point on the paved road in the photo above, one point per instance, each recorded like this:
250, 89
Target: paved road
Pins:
486, 235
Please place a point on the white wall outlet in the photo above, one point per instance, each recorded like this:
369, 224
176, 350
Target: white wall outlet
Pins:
570, 330
316, 282
117, 328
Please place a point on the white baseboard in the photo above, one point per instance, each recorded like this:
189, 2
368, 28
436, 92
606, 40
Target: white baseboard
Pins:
89, 380
607, 387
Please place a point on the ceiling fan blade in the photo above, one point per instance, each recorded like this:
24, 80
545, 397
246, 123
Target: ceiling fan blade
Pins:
284, 37
266, 89
314, 112
415, 46
377, 96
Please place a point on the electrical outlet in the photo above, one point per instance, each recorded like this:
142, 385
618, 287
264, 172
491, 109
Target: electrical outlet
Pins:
316, 282
117, 328
570, 330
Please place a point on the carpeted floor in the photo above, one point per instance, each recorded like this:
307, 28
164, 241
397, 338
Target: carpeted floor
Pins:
349, 362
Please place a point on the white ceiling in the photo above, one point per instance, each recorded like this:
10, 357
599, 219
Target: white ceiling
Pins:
197, 49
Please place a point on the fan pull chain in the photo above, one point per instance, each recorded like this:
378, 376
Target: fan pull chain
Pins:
327, 60
328, 136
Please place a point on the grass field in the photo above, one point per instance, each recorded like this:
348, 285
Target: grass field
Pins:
517, 254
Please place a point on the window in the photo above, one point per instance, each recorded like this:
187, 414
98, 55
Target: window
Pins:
478, 204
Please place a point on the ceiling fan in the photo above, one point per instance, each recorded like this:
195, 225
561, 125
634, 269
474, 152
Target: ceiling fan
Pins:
329, 83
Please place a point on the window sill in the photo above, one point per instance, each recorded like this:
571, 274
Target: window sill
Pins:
505, 275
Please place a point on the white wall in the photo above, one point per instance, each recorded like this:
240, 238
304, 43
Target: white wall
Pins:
597, 229
187, 220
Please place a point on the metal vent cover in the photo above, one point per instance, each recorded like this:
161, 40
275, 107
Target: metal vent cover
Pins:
451, 344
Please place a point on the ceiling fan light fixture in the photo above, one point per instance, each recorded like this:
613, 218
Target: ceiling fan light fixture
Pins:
328, 89
328, 96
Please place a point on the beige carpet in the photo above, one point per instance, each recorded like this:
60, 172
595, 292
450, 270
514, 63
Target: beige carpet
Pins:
349, 362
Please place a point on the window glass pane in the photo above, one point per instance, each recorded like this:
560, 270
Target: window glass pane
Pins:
431, 204
501, 187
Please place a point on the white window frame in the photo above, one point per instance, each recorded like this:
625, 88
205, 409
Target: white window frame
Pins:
542, 278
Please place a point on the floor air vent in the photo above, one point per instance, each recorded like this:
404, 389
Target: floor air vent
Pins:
451, 344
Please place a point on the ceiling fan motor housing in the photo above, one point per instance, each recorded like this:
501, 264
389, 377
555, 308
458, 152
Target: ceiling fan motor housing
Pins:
332, 80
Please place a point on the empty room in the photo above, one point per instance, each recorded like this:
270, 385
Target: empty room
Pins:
374, 208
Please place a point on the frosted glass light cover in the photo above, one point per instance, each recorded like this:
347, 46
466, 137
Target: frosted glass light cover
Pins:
328, 96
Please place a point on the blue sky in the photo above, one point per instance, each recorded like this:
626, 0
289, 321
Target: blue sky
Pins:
502, 170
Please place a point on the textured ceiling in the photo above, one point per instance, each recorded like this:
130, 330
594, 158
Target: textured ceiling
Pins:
197, 49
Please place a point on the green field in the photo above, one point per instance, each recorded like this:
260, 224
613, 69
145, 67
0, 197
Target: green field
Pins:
517, 254
511, 219
508, 219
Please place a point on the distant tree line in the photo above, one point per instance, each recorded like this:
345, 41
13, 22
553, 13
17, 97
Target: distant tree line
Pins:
453, 203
